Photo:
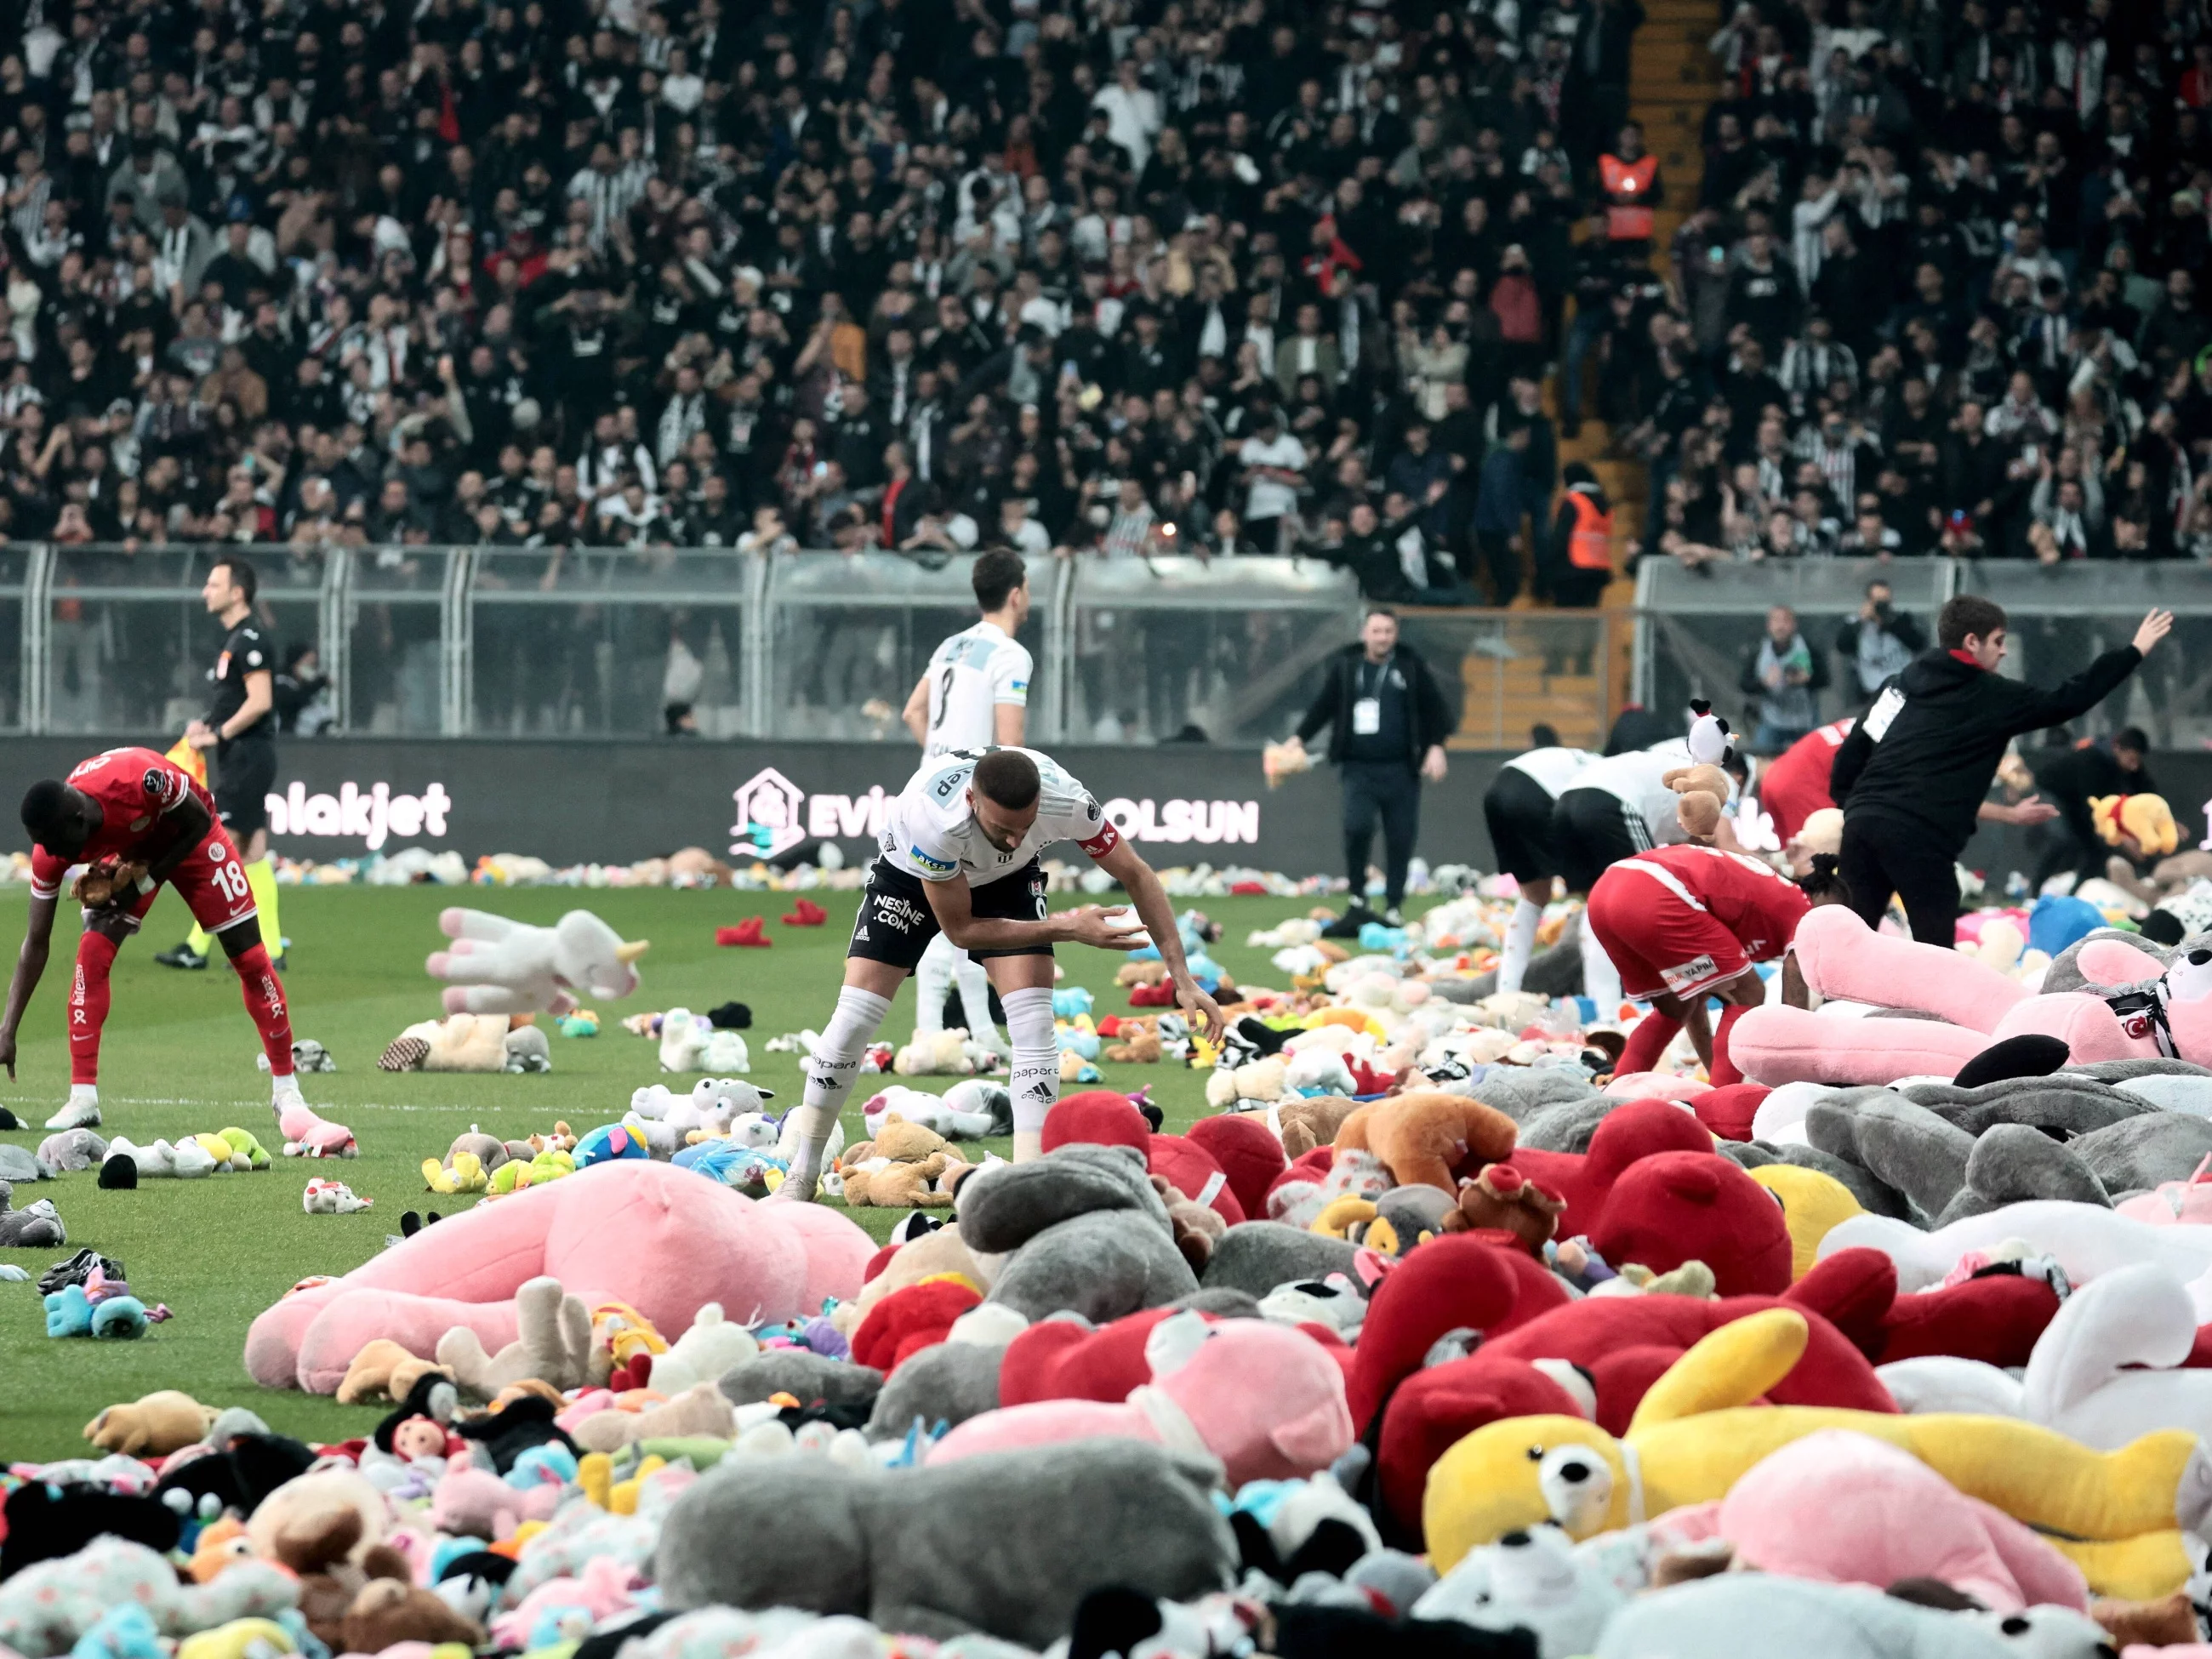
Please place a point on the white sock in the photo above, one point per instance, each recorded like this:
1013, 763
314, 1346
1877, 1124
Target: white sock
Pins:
933, 978
976, 996
84, 1094
830, 1074
1601, 979
1520, 943
284, 1087
1033, 1081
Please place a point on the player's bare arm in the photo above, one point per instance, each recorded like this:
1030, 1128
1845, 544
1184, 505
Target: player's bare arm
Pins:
30, 967
1008, 722
1105, 928
916, 712
1123, 863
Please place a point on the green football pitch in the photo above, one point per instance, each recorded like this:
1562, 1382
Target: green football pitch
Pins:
178, 1059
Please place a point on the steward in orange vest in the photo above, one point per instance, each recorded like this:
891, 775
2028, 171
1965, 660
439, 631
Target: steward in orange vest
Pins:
1578, 554
1630, 180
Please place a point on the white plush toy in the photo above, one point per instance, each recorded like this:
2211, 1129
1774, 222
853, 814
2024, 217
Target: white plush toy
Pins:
1318, 1071
1540, 1581
703, 1352
331, 1198
690, 1042
2085, 1241
933, 1113
936, 1054
496, 966
2079, 1379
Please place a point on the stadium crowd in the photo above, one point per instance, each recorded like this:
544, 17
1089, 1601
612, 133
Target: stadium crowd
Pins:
1225, 275
1942, 290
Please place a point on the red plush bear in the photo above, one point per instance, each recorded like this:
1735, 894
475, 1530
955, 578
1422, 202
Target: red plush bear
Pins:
1248, 1152
909, 1320
1066, 1359
1674, 1207
1187, 1167
1620, 1345
1995, 1319
1099, 1117
1728, 1109
1458, 1282
1310, 1166
1629, 1133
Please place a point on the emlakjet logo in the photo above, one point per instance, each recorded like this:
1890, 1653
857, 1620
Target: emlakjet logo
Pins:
371, 816
774, 815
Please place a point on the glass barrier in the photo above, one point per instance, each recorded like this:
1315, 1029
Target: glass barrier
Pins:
129, 645
848, 635
1193, 650
398, 609
1510, 671
600, 643
1697, 630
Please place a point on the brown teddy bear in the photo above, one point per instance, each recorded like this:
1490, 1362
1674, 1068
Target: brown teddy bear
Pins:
321, 1534
1138, 1042
1141, 973
153, 1426
388, 1611
904, 1168
1198, 1227
1428, 1138
385, 1368
1503, 1199
1703, 790
1312, 1122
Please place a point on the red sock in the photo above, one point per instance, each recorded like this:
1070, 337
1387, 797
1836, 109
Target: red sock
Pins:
1647, 1042
88, 1005
1724, 1069
265, 1006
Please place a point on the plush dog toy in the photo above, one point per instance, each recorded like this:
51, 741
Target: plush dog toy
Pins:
2120, 1514
496, 966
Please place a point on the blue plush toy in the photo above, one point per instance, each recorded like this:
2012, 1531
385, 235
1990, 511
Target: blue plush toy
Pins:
121, 1317
1073, 1001
607, 1143
69, 1312
2059, 919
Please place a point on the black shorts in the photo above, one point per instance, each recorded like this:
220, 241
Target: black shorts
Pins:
1591, 829
1518, 812
895, 923
245, 773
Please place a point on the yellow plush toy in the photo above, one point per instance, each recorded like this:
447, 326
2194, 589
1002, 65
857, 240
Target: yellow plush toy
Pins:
1812, 1203
2119, 1514
2145, 818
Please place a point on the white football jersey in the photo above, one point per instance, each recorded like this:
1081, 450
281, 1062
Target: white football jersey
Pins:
970, 675
930, 831
1555, 771
1632, 779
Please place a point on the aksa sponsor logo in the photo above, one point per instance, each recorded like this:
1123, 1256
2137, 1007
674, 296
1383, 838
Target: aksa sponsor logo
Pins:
371, 815
944, 865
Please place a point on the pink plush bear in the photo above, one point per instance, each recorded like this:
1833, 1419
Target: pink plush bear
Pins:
606, 1586
1265, 1399
1845, 1509
1975, 1005
474, 1503
665, 1240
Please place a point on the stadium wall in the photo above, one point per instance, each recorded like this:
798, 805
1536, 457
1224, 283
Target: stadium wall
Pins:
572, 802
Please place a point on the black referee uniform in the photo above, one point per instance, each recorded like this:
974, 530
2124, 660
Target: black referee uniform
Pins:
245, 762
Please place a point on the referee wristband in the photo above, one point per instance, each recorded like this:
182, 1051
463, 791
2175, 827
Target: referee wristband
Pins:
145, 884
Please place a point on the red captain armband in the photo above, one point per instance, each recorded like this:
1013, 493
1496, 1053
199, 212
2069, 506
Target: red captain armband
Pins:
1103, 842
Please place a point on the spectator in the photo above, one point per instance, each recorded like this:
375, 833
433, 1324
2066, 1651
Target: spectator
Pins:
1783, 676
1880, 640
1501, 503
2069, 777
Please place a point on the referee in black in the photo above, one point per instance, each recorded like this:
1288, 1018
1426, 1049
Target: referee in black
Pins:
1913, 775
241, 727
1387, 721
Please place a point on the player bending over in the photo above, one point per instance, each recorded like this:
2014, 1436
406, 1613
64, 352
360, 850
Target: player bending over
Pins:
960, 856
139, 820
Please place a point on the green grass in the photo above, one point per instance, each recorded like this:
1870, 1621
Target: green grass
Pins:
178, 1059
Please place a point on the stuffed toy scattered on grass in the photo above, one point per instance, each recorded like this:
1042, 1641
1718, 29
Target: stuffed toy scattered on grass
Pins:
469, 1042
497, 966
153, 1426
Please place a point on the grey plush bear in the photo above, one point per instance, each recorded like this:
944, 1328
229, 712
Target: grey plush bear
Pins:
947, 1382
801, 1375
21, 1164
71, 1149
1568, 1127
1007, 1544
34, 1227
1081, 1230
1255, 1256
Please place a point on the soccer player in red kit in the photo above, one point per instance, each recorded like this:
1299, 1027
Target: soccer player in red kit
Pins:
1794, 785
1684, 924
138, 821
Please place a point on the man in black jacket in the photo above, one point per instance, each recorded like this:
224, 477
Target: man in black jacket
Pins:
1388, 721
1911, 777
2070, 779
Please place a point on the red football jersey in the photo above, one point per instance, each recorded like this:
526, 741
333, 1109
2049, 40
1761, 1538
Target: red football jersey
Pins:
135, 787
1795, 786
1761, 907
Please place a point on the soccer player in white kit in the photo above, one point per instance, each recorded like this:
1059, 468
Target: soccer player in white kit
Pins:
973, 696
959, 854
